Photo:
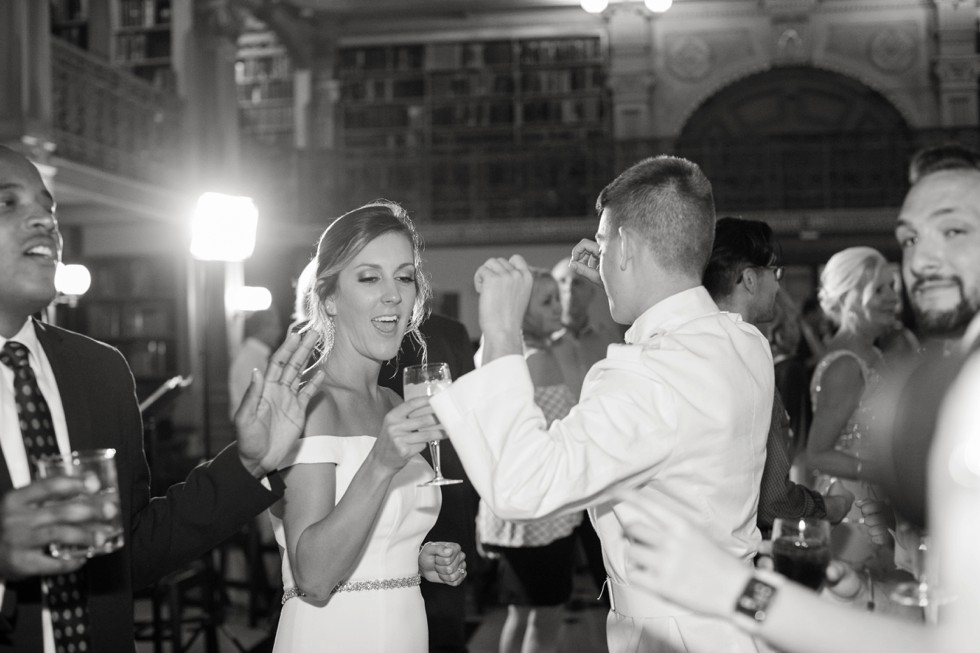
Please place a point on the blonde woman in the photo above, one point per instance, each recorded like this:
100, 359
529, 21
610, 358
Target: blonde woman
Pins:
858, 293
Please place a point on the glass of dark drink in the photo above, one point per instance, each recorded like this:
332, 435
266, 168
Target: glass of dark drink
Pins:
801, 549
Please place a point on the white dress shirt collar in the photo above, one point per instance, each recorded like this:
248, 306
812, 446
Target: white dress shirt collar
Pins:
667, 314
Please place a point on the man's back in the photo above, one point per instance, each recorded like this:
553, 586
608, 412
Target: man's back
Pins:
708, 380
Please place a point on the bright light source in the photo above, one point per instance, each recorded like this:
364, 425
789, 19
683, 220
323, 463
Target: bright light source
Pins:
248, 298
594, 6
658, 6
72, 280
223, 228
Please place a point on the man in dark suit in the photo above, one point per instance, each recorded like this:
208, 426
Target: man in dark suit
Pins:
447, 341
90, 394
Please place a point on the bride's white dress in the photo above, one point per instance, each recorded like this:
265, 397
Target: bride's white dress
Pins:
375, 621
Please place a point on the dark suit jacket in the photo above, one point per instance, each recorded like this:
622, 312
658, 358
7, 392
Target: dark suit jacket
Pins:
162, 534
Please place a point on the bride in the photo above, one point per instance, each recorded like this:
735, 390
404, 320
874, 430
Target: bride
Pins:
351, 523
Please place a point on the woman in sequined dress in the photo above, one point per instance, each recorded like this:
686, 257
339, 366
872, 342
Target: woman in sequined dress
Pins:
351, 524
858, 293
537, 557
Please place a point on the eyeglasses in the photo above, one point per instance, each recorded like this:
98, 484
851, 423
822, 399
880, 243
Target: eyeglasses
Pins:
777, 270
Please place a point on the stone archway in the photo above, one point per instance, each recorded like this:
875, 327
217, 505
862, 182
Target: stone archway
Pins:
799, 138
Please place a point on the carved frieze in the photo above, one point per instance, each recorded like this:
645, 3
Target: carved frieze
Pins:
691, 57
891, 48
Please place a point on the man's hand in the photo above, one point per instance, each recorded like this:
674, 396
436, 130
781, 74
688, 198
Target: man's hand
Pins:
585, 261
60, 510
273, 412
505, 289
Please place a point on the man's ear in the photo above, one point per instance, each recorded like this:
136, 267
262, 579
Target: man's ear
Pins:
628, 243
750, 279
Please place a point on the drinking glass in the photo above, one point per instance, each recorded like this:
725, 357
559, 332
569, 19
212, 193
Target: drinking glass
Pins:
801, 549
98, 465
425, 381
915, 593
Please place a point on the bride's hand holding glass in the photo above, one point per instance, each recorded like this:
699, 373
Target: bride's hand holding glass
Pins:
405, 431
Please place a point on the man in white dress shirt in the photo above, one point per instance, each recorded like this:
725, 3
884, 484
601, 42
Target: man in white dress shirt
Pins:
680, 411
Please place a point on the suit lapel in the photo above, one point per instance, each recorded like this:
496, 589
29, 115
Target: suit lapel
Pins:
71, 380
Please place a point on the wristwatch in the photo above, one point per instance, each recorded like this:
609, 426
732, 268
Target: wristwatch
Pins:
752, 606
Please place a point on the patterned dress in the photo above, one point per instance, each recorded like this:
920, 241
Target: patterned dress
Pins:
851, 538
555, 401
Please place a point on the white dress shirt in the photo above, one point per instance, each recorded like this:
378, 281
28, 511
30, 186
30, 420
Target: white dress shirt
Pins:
11, 439
681, 411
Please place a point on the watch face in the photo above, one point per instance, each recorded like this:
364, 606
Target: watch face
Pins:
755, 599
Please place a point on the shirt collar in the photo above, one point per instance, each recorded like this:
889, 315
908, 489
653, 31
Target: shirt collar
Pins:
27, 336
670, 313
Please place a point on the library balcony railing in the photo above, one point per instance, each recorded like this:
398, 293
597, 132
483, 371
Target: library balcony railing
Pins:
108, 119
547, 192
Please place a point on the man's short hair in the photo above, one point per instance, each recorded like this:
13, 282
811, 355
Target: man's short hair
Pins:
948, 156
739, 244
667, 200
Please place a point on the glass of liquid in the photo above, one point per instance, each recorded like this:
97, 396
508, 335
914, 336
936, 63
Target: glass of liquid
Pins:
98, 467
801, 549
425, 381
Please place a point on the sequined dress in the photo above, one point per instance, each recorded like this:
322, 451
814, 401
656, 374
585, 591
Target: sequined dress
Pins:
372, 620
852, 542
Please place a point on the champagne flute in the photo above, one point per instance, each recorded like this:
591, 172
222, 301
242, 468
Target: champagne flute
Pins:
801, 549
425, 381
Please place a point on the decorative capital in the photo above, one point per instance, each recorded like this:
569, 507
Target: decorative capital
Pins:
959, 70
632, 84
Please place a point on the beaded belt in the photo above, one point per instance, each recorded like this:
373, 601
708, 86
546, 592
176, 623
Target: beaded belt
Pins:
361, 586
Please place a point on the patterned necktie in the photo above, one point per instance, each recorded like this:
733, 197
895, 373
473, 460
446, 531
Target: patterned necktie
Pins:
64, 594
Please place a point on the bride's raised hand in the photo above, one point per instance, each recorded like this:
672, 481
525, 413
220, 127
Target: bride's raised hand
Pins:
272, 414
406, 430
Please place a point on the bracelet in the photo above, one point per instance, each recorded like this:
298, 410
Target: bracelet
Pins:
752, 605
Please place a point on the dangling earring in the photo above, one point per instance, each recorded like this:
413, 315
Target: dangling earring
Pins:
328, 333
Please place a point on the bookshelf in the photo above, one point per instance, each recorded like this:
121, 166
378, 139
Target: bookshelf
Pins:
133, 305
141, 39
264, 77
514, 91
70, 21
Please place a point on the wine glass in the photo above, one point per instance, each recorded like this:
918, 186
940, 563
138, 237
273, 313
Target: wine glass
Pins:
915, 593
801, 549
425, 381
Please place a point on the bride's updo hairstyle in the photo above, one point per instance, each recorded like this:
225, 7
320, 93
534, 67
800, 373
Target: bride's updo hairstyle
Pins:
340, 243
848, 280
